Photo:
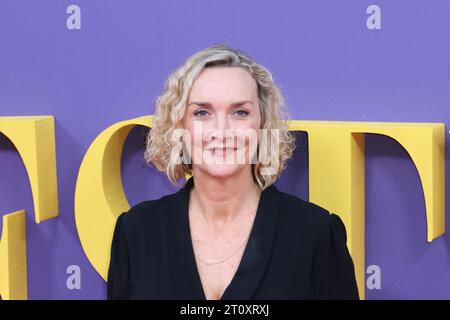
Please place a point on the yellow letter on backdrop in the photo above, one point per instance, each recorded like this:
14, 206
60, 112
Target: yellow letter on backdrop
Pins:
13, 257
34, 139
99, 196
336, 172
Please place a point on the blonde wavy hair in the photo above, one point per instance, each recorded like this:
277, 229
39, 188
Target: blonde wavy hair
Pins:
171, 108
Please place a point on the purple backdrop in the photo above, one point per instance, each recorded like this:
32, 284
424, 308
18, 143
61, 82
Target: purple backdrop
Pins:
329, 65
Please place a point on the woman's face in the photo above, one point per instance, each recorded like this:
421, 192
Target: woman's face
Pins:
223, 121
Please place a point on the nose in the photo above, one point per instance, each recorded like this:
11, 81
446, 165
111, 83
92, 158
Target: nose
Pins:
222, 130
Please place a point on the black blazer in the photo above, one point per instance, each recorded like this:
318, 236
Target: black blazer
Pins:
296, 250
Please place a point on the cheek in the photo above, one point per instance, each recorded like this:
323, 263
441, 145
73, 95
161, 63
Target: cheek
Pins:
251, 134
188, 127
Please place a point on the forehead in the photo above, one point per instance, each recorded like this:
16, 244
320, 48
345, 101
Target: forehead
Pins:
223, 83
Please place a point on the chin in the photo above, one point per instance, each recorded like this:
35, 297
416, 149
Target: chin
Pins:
222, 170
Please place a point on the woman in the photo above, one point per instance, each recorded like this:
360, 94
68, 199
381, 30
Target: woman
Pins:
232, 234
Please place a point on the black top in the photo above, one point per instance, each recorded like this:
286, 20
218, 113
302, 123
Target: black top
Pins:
296, 250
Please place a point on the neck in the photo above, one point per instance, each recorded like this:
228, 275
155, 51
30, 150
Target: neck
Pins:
221, 199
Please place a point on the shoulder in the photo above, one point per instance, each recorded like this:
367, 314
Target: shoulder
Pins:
148, 213
308, 216
294, 207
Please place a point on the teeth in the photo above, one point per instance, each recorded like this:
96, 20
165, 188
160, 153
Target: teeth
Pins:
223, 149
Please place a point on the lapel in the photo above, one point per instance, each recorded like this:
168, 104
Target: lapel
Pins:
185, 276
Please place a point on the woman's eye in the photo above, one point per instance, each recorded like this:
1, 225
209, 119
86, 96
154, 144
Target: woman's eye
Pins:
201, 113
241, 113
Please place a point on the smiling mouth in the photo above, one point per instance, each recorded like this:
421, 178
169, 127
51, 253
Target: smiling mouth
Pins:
221, 151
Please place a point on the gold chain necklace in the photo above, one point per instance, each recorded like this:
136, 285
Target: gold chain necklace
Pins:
222, 260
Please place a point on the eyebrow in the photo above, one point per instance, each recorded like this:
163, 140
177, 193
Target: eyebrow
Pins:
208, 104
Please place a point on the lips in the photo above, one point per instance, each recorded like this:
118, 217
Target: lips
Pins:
221, 151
